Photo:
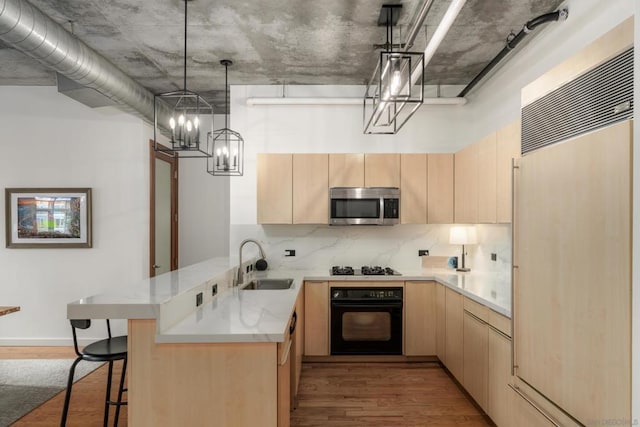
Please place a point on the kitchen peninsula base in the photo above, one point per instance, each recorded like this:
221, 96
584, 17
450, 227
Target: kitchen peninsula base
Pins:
229, 384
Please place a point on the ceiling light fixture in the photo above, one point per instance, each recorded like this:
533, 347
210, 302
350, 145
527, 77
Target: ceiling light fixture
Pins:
226, 145
394, 93
182, 116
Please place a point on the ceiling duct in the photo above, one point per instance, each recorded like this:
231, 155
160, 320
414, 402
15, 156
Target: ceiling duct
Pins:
27, 29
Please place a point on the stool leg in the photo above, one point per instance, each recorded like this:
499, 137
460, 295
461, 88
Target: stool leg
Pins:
106, 400
124, 371
67, 396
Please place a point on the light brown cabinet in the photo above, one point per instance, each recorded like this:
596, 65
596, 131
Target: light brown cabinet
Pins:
413, 188
466, 185
498, 390
310, 188
298, 337
346, 170
439, 188
274, 188
316, 322
524, 414
507, 148
454, 334
487, 157
381, 170
420, 318
440, 322
475, 359
284, 382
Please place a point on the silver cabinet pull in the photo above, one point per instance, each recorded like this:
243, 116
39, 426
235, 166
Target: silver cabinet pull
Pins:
156, 266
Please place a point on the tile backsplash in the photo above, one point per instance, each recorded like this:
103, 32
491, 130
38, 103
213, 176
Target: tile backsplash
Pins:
322, 246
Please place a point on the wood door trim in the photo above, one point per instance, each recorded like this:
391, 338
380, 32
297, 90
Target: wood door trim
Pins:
173, 161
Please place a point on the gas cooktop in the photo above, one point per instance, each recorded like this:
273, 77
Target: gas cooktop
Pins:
365, 270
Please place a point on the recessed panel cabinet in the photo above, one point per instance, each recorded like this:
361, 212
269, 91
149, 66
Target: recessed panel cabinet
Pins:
310, 188
420, 318
274, 188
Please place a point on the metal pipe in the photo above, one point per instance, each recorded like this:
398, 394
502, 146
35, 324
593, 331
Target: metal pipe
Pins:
558, 15
417, 24
30, 31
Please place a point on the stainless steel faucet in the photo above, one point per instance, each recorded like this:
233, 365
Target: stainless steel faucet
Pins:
239, 277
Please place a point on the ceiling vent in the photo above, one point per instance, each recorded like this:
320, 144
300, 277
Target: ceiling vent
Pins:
598, 98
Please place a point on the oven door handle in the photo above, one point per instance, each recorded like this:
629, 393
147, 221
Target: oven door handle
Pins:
367, 305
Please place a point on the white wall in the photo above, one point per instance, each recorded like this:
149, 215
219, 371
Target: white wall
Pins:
49, 140
204, 210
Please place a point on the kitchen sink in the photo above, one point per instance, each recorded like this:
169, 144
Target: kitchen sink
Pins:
268, 284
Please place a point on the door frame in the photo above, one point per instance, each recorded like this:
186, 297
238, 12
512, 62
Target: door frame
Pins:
173, 161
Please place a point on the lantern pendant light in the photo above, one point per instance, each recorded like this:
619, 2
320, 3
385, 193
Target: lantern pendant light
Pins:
184, 117
225, 145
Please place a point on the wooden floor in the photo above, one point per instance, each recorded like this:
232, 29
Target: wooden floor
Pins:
87, 399
381, 394
330, 395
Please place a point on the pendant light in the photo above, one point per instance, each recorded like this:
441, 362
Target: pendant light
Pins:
184, 117
225, 145
395, 91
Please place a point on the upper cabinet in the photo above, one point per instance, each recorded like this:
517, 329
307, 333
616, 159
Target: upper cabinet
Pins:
466, 185
487, 179
310, 188
382, 170
413, 188
346, 170
274, 188
440, 188
507, 148
483, 177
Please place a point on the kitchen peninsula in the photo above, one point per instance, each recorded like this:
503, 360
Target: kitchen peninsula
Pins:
236, 357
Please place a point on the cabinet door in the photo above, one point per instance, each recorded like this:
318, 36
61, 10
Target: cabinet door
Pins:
413, 188
507, 148
453, 333
284, 383
420, 318
310, 188
571, 302
440, 188
440, 323
476, 353
346, 170
525, 414
466, 185
299, 342
316, 324
499, 377
382, 170
487, 179
274, 188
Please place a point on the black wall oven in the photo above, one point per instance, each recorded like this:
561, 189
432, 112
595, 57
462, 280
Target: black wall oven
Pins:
366, 320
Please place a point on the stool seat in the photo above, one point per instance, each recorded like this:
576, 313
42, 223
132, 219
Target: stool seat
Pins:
107, 349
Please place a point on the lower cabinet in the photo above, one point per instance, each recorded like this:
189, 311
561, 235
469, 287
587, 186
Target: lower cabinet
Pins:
440, 322
525, 414
476, 358
316, 322
500, 395
284, 383
420, 318
454, 334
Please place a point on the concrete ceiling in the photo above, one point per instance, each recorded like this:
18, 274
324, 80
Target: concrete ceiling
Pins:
270, 41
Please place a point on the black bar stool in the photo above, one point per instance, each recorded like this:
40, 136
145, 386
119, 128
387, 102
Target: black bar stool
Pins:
106, 350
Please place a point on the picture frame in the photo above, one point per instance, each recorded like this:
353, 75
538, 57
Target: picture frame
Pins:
48, 218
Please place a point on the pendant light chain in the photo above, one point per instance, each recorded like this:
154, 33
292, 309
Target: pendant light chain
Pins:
226, 94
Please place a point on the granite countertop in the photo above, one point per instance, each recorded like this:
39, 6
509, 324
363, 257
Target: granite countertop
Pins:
236, 315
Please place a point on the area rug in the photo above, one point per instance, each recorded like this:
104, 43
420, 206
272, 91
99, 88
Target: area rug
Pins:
26, 384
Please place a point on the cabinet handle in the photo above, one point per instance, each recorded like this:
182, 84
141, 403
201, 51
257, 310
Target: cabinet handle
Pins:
536, 407
285, 356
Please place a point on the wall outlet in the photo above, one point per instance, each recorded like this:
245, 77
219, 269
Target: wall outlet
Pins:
214, 290
494, 257
199, 299
289, 252
423, 252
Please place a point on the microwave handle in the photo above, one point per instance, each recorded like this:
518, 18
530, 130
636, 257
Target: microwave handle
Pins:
381, 219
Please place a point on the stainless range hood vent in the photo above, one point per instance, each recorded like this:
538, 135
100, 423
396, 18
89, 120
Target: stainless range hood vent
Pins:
598, 98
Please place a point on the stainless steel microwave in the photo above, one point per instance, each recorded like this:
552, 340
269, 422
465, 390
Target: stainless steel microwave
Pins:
364, 205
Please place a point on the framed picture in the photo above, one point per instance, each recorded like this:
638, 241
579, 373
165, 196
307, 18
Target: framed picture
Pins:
48, 217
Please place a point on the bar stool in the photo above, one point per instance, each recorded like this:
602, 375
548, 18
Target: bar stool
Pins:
106, 350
